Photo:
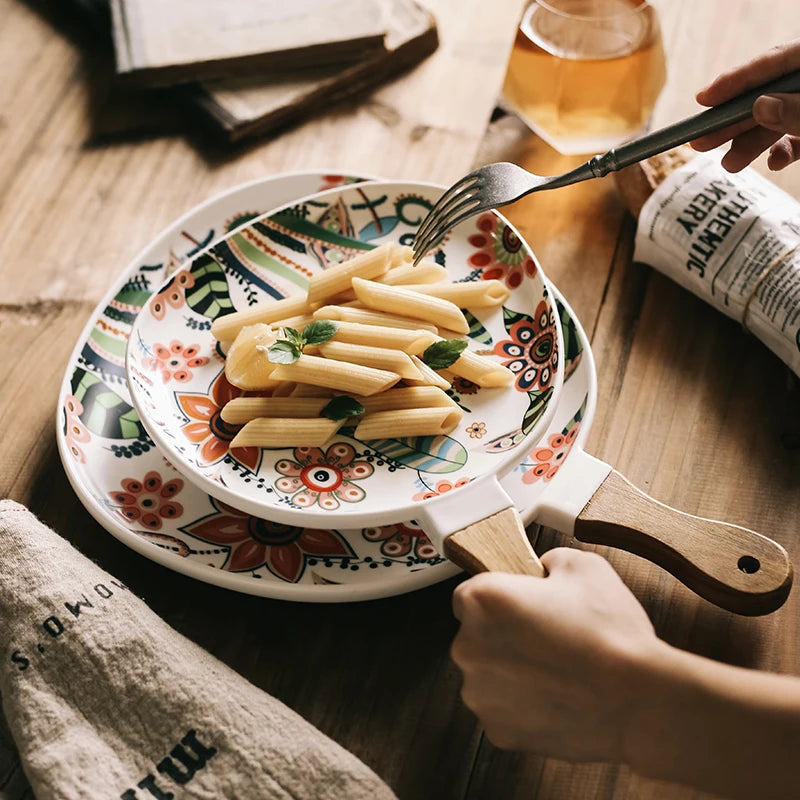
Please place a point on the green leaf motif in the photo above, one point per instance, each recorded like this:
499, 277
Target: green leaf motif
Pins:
477, 332
105, 413
319, 331
538, 404
342, 407
209, 296
434, 454
441, 355
283, 352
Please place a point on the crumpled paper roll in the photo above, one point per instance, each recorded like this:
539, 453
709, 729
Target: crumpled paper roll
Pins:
731, 239
104, 699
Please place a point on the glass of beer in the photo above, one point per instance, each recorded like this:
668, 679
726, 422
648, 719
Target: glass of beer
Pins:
585, 74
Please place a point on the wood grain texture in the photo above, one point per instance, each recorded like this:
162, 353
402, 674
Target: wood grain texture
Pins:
497, 544
735, 568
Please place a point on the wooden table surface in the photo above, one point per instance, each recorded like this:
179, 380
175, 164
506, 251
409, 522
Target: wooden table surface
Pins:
691, 409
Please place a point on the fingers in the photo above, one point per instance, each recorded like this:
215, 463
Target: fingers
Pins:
746, 147
778, 112
715, 139
784, 152
772, 64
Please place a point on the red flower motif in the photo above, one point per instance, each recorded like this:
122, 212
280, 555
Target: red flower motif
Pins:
255, 543
173, 294
442, 487
548, 459
209, 431
463, 386
531, 351
501, 255
75, 432
148, 501
398, 540
323, 478
176, 361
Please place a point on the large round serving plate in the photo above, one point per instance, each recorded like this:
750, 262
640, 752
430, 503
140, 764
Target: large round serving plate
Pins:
137, 495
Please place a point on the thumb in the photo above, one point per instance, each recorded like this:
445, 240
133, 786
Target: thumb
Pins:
778, 112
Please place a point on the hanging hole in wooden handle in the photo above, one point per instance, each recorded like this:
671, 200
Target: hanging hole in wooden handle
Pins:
733, 567
498, 543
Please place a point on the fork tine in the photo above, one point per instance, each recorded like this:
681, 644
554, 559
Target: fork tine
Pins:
465, 184
443, 222
436, 239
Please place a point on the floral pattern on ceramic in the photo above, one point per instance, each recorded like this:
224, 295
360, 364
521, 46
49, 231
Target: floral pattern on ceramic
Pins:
148, 502
254, 543
501, 254
532, 352
271, 257
206, 428
117, 442
398, 541
75, 432
544, 461
172, 294
326, 478
439, 488
176, 361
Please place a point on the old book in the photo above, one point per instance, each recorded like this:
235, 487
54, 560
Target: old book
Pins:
245, 107
162, 43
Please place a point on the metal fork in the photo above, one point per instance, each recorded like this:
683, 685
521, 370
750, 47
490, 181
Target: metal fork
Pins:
498, 184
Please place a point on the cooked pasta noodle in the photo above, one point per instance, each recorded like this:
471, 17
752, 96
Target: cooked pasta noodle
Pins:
286, 432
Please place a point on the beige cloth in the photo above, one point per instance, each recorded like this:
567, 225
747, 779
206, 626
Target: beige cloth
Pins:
105, 700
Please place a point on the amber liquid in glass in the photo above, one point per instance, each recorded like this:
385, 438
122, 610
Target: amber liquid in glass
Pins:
586, 86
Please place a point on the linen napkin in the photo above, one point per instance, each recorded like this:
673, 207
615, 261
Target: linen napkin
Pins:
104, 700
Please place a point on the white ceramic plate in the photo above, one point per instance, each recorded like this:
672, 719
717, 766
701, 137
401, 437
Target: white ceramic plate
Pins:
136, 495
177, 381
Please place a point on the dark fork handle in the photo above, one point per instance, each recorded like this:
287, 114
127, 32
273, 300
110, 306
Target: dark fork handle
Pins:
714, 119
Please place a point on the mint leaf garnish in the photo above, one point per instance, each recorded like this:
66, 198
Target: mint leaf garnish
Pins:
441, 355
319, 331
294, 337
283, 352
341, 407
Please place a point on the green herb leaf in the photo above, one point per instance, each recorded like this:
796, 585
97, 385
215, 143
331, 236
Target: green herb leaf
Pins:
283, 352
319, 331
341, 407
441, 355
294, 337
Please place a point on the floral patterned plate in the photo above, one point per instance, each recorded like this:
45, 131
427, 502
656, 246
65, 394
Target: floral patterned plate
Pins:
133, 492
176, 371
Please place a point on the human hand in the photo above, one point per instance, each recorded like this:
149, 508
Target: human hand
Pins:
776, 118
552, 664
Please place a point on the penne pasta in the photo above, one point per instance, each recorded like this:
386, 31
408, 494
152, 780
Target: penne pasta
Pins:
298, 323
469, 294
243, 409
408, 422
481, 370
430, 377
286, 432
350, 313
228, 327
426, 272
409, 341
378, 357
283, 389
406, 397
247, 364
336, 279
402, 254
340, 375
399, 300
307, 390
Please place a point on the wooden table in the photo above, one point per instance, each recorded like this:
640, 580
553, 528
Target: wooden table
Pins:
691, 409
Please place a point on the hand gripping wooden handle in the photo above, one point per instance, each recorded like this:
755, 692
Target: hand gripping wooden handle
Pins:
735, 568
498, 543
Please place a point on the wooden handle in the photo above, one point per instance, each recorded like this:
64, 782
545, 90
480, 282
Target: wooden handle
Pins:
496, 544
735, 568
